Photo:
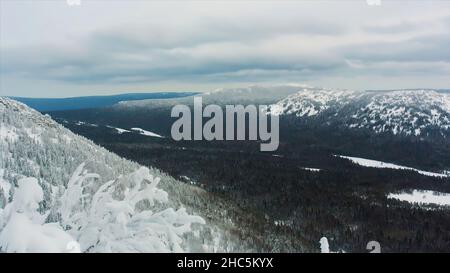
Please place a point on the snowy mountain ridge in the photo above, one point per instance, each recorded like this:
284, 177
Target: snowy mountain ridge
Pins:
252, 94
405, 112
59, 192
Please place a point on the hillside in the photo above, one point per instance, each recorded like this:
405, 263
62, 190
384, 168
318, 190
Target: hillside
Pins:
60, 192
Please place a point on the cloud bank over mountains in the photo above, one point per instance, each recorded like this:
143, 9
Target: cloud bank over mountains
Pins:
53, 49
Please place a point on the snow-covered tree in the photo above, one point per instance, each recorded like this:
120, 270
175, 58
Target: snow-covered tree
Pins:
324, 246
23, 228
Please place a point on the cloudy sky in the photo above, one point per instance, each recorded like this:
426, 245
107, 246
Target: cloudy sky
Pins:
52, 49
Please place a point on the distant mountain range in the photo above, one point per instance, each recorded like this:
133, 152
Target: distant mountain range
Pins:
252, 94
73, 103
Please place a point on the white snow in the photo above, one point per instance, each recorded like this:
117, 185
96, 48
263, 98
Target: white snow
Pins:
23, 228
146, 133
119, 130
7, 134
283, 223
380, 164
406, 112
67, 139
311, 169
188, 180
96, 220
102, 223
324, 246
22, 234
4, 185
312, 101
253, 94
35, 134
423, 197
82, 123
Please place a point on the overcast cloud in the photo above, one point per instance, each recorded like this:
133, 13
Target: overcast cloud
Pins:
51, 49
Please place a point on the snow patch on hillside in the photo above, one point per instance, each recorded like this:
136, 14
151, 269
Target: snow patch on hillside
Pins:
311, 169
422, 197
380, 164
119, 130
146, 133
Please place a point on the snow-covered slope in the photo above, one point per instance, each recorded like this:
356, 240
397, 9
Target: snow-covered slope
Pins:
313, 101
422, 197
406, 112
252, 94
60, 192
146, 133
384, 165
